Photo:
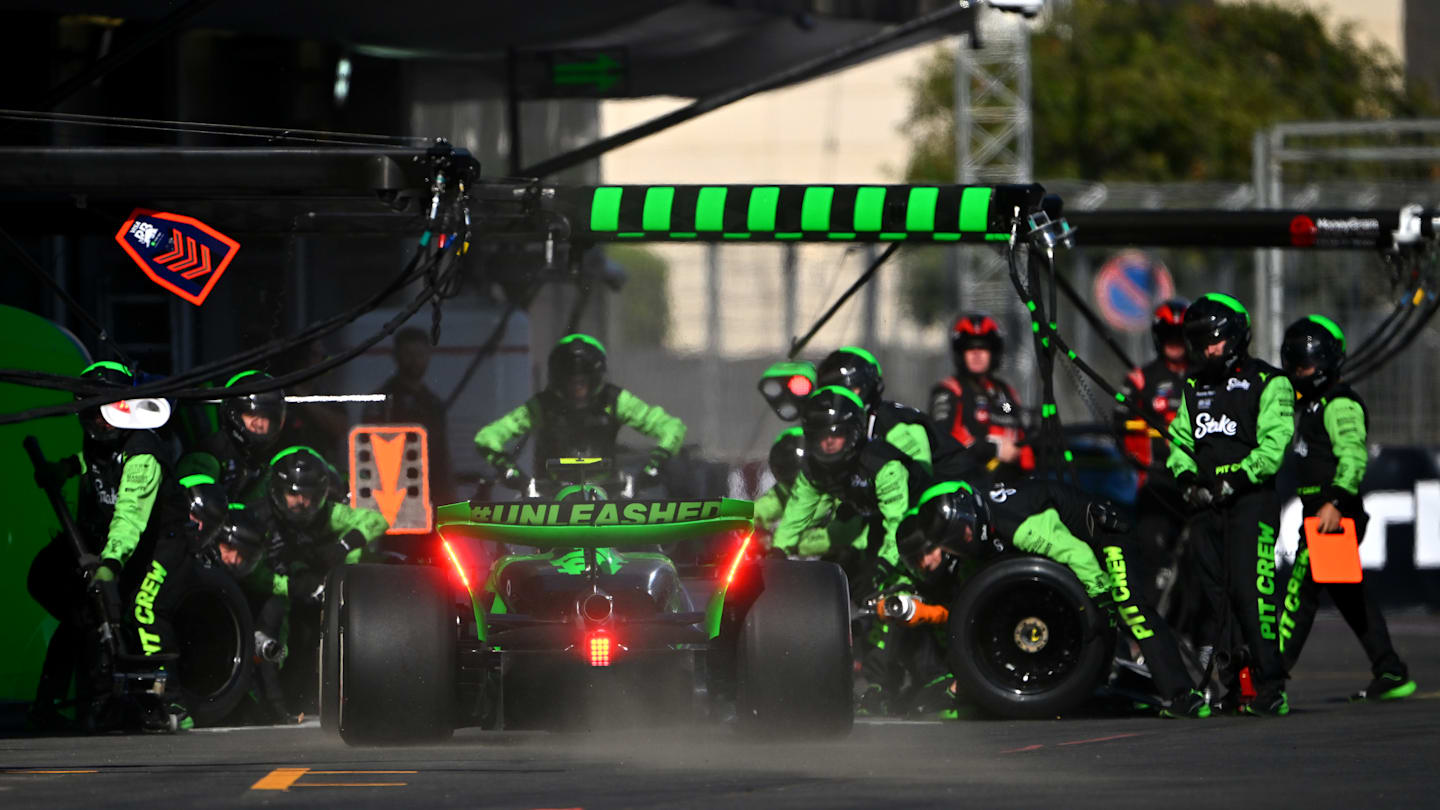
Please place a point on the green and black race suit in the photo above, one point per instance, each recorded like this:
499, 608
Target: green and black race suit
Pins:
298, 560
883, 484
127, 496
1237, 425
217, 456
914, 433
563, 431
1330, 446
1048, 520
770, 508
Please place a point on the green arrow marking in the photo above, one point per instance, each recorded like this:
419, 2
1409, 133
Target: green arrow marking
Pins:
602, 72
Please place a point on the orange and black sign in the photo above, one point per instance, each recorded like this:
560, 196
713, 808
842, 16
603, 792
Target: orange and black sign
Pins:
389, 472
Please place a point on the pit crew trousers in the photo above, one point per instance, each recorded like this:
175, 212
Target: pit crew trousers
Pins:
1302, 597
1140, 620
1234, 549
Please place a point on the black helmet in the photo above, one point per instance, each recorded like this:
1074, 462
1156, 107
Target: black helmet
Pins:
241, 544
786, 455
975, 330
834, 423
1214, 318
1167, 325
298, 471
1315, 342
269, 407
209, 507
110, 373
856, 369
576, 368
950, 516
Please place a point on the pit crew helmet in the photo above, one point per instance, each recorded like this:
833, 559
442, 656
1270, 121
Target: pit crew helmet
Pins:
976, 330
267, 404
111, 373
949, 516
787, 454
576, 369
1313, 341
1167, 324
240, 544
299, 485
853, 368
209, 508
1214, 318
834, 425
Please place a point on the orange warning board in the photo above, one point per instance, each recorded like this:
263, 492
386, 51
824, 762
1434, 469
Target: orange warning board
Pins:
390, 473
1333, 557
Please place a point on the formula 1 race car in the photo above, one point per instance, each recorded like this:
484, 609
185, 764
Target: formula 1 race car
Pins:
596, 627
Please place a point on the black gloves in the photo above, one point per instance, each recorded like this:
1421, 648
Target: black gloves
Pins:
658, 457
1102, 517
335, 553
307, 587
1197, 496
52, 475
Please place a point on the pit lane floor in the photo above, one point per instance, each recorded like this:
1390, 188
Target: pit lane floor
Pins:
1328, 753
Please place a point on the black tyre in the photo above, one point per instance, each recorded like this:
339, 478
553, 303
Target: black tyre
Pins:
794, 670
330, 649
1025, 640
396, 656
216, 636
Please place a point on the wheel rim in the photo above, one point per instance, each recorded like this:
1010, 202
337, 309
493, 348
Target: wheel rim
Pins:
211, 648
1027, 637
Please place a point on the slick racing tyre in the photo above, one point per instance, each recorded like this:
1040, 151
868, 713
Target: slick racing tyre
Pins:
395, 655
1025, 640
794, 668
330, 649
214, 630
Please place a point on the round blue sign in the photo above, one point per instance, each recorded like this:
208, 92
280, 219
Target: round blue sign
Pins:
1128, 288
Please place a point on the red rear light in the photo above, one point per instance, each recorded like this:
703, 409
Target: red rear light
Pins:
597, 649
739, 558
455, 560
799, 385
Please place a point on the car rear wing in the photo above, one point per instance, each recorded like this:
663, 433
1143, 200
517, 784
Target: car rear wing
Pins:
595, 524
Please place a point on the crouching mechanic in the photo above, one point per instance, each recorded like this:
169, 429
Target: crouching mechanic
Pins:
786, 455
953, 525
1330, 449
309, 535
846, 471
128, 499
578, 415
1227, 441
907, 429
235, 455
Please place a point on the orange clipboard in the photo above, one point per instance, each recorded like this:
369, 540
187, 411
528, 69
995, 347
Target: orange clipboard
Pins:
1333, 557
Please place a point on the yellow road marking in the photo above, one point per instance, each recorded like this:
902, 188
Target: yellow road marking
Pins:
33, 771
329, 772
279, 779
351, 784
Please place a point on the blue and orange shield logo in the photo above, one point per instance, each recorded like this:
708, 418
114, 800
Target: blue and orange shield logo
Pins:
180, 253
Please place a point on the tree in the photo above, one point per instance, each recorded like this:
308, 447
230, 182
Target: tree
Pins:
645, 301
1143, 91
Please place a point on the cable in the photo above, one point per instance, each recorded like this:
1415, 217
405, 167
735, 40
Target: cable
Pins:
229, 130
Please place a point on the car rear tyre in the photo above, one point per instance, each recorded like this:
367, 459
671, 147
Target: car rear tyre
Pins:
1026, 641
396, 655
330, 649
794, 669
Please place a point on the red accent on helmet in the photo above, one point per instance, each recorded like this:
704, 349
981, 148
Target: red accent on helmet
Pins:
975, 325
1169, 312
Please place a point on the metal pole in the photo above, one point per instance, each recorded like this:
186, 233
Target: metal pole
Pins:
1260, 176
713, 385
789, 272
512, 108
1275, 272
799, 343
872, 304
806, 69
